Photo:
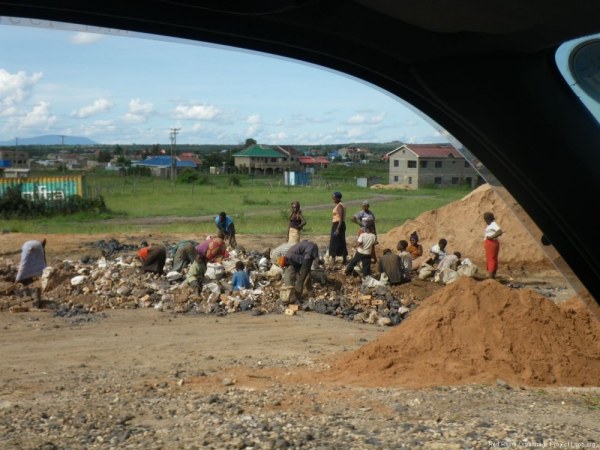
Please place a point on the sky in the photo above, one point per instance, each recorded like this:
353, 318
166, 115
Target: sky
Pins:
117, 87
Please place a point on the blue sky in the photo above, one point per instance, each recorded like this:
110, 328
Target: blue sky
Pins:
123, 87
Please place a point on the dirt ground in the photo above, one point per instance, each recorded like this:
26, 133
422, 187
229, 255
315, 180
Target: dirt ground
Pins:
147, 379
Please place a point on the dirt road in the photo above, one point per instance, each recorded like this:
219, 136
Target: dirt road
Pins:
148, 379
144, 379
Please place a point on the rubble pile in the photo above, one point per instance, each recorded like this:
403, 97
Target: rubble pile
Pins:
109, 282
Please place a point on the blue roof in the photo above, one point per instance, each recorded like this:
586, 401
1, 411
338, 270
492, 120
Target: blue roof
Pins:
163, 161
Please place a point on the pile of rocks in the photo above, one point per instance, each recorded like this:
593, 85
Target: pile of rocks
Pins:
92, 285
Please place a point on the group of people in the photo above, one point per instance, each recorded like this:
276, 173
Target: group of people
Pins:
298, 257
190, 254
397, 267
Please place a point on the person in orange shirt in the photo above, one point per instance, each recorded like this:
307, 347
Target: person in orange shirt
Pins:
153, 257
415, 249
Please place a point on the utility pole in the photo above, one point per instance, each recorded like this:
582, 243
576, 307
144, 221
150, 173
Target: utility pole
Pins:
173, 135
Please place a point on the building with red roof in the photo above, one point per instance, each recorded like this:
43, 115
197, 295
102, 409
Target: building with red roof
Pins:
420, 165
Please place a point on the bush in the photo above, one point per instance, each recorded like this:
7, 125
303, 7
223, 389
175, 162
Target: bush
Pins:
12, 205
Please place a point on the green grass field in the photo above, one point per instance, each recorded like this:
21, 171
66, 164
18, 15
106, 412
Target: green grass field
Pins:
257, 205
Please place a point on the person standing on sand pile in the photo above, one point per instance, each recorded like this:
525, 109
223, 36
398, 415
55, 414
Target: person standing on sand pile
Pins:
225, 225
491, 243
296, 223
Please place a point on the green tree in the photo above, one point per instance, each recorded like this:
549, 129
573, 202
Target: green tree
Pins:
104, 156
122, 162
249, 142
212, 159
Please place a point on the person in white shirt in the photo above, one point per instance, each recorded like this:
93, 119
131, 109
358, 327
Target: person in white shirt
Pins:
491, 243
437, 252
364, 246
450, 261
405, 258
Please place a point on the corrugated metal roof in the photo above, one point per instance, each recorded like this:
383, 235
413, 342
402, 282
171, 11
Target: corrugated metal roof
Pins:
260, 151
163, 161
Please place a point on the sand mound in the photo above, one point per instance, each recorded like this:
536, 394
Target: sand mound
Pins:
461, 223
478, 332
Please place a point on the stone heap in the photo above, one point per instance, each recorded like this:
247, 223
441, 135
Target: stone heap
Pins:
117, 282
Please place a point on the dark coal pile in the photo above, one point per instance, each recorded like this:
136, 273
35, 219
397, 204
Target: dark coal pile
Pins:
112, 247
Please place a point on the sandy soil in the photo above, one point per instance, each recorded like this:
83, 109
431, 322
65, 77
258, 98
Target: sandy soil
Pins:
148, 379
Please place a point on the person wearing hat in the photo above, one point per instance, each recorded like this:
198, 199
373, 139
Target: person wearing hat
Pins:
337, 241
296, 223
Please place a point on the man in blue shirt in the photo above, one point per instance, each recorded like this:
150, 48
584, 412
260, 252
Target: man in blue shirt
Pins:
225, 224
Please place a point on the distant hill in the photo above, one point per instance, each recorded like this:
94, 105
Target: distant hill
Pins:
51, 139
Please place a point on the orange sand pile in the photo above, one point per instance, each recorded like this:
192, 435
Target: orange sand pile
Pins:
478, 332
461, 223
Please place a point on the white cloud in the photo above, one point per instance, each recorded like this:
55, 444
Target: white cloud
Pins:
197, 112
278, 137
253, 119
253, 130
100, 105
99, 128
138, 111
38, 117
378, 118
82, 38
354, 133
15, 89
357, 119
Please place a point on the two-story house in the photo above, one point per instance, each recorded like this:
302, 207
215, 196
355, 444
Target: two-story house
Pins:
14, 158
266, 160
420, 165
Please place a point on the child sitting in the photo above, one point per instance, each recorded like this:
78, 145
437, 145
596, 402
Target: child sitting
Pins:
240, 279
